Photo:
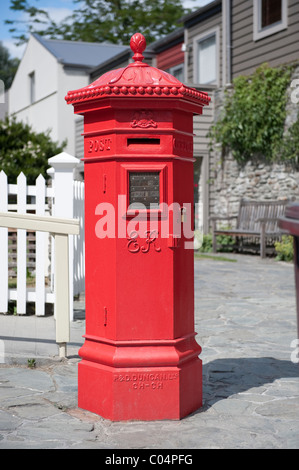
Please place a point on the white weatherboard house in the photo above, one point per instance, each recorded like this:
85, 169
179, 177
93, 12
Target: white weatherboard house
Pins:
48, 70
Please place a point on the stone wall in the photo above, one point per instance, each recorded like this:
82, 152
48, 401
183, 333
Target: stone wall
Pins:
252, 181
229, 182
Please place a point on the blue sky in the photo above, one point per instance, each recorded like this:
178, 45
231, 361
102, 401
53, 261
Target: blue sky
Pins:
58, 10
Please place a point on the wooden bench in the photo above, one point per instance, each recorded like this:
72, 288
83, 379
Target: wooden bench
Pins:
257, 222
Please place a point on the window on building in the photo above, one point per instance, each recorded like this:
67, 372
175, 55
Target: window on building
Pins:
271, 12
205, 49
32, 87
270, 16
177, 72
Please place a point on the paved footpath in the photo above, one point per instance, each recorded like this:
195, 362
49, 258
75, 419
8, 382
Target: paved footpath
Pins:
246, 322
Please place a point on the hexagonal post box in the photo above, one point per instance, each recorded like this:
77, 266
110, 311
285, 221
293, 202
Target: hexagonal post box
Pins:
140, 358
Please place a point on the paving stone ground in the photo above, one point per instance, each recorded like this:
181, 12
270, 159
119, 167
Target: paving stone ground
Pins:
245, 318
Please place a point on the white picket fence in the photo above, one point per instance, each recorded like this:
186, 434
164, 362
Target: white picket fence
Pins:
64, 199
61, 229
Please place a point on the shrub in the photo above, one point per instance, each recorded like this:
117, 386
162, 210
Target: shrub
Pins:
252, 122
207, 244
285, 248
224, 243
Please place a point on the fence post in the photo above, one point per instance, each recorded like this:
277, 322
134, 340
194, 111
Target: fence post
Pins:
51, 173
63, 206
21, 247
40, 250
3, 246
62, 282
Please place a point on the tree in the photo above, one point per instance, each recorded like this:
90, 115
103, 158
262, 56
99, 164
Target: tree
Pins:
21, 149
114, 21
8, 66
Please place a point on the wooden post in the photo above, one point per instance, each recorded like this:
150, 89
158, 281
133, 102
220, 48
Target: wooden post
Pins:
63, 181
21, 248
263, 240
40, 250
3, 247
62, 292
214, 239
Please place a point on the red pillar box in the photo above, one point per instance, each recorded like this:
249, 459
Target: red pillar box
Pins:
140, 358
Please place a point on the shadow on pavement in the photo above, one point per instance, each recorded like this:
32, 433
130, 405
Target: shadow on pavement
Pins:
223, 378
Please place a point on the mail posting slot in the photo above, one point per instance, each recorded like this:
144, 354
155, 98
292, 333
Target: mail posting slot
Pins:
140, 358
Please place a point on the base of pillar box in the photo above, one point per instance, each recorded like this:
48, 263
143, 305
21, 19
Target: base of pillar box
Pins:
140, 393
136, 380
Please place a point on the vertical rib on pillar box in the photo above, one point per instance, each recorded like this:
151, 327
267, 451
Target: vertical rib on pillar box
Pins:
140, 358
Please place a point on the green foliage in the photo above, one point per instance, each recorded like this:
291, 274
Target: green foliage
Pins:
285, 248
21, 149
8, 66
224, 243
207, 245
103, 20
214, 257
252, 123
31, 363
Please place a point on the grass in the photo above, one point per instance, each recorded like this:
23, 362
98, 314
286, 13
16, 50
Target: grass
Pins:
31, 363
215, 258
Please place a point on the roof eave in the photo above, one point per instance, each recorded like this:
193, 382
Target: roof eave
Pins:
117, 58
201, 13
172, 39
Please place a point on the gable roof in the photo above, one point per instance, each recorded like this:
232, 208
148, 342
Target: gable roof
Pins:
85, 55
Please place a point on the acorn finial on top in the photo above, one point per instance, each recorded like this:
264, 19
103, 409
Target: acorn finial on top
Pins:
138, 45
